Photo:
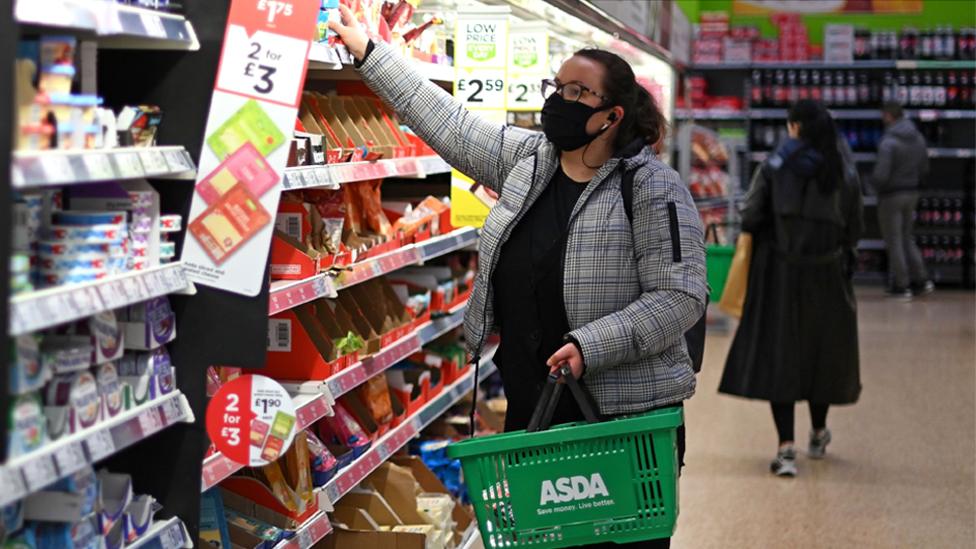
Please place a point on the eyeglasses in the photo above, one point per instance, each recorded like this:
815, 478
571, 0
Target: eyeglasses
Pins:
571, 92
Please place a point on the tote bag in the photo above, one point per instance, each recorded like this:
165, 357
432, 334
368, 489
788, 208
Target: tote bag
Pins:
736, 285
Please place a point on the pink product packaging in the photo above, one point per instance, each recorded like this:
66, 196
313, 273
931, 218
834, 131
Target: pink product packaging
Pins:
150, 324
245, 166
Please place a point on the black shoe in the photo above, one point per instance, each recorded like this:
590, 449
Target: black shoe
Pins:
899, 293
923, 288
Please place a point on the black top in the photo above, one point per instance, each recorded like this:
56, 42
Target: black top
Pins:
529, 307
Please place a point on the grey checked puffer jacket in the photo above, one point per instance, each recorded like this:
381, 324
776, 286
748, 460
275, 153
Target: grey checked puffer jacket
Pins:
630, 291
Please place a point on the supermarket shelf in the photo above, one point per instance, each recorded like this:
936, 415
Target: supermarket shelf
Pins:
332, 175
873, 114
440, 326
870, 244
951, 152
31, 472
287, 294
710, 114
712, 202
382, 449
856, 65
71, 167
116, 26
327, 63
407, 255
40, 309
164, 534
761, 156
309, 408
309, 533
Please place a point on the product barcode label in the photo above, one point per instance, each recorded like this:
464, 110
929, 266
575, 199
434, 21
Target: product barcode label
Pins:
172, 411
98, 166
70, 458
39, 472
290, 224
11, 485
279, 335
128, 165
100, 445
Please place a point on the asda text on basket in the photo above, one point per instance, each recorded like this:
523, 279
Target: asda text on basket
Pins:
575, 488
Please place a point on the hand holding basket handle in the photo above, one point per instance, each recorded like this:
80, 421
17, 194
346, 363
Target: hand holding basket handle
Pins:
542, 416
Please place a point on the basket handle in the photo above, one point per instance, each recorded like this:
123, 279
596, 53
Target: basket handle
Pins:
542, 416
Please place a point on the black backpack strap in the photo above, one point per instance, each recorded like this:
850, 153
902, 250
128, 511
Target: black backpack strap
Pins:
627, 192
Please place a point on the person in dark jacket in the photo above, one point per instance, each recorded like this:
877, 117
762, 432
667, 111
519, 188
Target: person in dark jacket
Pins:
798, 336
903, 161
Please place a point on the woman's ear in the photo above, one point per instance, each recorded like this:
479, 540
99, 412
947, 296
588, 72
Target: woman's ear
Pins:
615, 115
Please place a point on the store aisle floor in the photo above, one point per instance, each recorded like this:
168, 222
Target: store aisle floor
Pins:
899, 472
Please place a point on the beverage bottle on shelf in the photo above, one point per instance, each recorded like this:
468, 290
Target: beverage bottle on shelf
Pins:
863, 90
923, 216
779, 88
914, 90
804, 85
948, 44
902, 89
961, 44
862, 39
874, 45
928, 94
793, 92
816, 92
767, 88
892, 50
971, 43
828, 89
769, 136
888, 91
851, 89
965, 90
850, 133
957, 216
938, 46
948, 214
755, 89
939, 89
906, 45
952, 90
926, 49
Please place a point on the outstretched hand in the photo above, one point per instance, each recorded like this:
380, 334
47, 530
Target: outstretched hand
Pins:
350, 31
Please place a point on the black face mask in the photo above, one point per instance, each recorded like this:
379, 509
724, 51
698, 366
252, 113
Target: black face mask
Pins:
564, 123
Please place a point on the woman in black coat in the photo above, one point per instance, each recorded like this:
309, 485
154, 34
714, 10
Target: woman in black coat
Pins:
798, 335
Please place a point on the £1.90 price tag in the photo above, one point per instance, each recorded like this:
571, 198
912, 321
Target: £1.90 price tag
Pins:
265, 49
481, 89
251, 420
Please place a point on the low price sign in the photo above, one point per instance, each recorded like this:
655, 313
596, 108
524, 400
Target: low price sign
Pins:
251, 420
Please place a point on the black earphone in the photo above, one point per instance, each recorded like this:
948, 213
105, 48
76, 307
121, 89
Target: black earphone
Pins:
610, 120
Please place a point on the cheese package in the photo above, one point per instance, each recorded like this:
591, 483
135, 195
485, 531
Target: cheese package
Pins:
230, 222
251, 125
107, 337
245, 166
110, 390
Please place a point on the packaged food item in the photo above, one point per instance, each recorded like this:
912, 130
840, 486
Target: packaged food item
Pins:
298, 469
245, 166
26, 426
230, 222
78, 396
343, 429
375, 395
272, 475
137, 125
149, 325
107, 337
62, 354
27, 371
107, 233
110, 389
250, 124
324, 464
269, 535
57, 50
56, 79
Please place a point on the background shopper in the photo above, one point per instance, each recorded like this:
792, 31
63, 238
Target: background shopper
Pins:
563, 274
903, 161
798, 336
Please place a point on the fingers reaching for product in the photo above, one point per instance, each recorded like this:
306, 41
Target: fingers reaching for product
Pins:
567, 354
350, 32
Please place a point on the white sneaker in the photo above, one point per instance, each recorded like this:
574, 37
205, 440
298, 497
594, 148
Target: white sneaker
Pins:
785, 463
818, 444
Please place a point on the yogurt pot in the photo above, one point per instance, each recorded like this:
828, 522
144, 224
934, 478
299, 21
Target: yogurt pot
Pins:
62, 248
110, 389
108, 233
107, 337
28, 372
79, 393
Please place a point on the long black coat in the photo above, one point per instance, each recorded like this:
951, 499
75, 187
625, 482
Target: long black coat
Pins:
798, 336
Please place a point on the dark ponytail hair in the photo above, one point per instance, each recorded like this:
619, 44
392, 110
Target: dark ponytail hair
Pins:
817, 129
642, 117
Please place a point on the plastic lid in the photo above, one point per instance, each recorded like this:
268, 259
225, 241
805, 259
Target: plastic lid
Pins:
63, 70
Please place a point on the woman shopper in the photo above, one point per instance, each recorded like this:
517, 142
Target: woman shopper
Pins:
798, 336
564, 275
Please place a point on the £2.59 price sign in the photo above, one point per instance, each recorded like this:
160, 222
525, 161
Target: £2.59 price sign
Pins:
251, 420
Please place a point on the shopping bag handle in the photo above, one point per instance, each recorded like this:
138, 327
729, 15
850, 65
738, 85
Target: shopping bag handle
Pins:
542, 416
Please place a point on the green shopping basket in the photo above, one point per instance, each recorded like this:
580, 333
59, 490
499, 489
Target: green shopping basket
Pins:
718, 261
574, 484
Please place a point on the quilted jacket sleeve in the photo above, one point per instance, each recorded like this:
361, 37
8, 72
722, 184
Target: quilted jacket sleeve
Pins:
670, 251
483, 150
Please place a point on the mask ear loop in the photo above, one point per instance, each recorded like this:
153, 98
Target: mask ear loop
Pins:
606, 126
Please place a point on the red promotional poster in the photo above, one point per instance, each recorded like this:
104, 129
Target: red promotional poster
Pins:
251, 420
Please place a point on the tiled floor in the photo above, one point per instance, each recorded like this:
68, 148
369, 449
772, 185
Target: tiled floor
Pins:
900, 470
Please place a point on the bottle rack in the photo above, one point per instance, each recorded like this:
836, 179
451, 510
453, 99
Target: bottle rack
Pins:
948, 129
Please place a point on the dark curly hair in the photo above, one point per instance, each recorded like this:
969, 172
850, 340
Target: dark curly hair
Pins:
642, 117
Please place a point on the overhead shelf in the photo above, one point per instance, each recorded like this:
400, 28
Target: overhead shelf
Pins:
333, 175
934, 152
327, 63
873, 114
71, 167
114, 25
821, 65
32, 311
287, 294
31, 472
382, 449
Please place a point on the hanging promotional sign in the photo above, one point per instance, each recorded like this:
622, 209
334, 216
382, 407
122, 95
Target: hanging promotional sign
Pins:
251, 420
528, 64
481, 51
252, 115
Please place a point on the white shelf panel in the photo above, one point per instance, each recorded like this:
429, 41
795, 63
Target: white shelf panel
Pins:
710, 114
116, 26
71, 167
332, 175
309, 533
49, 307
31, 472
164, 534
337, 64
382, 449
